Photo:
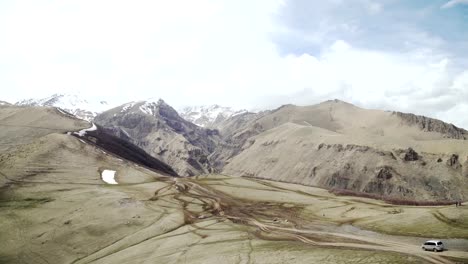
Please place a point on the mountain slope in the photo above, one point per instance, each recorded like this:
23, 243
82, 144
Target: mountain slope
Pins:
159, 130
126, 150
32, 134
338, 145
234, 132
85, 109
21, 125
345, 118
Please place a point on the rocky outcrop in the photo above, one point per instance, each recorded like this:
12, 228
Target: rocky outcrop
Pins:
453, 162
385, 173
382, 185
410, 155
432, 125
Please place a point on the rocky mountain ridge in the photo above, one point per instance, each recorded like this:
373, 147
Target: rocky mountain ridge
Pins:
158, 129
433, 125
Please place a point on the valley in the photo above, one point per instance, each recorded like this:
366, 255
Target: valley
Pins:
213, 217
58, 204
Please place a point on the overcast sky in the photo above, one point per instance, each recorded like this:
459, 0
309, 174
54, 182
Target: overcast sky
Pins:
402, 55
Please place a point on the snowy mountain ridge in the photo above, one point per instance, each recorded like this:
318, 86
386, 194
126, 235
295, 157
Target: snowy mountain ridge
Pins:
85, 109
149, 106
205, 116
89, 108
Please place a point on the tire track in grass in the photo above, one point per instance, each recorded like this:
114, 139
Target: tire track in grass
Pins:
451, 222
221, 200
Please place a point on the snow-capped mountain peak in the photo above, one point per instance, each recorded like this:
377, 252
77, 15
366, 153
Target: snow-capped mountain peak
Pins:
72, 103
206, 116
149, 106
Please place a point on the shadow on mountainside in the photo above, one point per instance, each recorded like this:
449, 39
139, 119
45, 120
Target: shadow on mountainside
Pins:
125, 150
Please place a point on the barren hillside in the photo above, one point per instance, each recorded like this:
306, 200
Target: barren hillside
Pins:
338, 145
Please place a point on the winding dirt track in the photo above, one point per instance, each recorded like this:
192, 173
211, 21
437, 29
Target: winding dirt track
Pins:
260, 216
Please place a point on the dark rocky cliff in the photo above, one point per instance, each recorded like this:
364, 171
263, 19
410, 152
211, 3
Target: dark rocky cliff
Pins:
428, 124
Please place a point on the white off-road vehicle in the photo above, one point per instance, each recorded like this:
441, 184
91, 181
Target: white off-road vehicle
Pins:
433, 245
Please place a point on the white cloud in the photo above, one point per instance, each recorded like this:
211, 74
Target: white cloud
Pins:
208, 51
374, 8
407, 82
453, 3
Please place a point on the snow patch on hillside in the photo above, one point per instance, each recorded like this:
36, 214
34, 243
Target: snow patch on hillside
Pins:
82, 132
127, 107
108, 176
126, 133
148, 108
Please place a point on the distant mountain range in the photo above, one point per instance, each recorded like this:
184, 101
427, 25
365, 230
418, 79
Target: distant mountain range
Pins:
85, 109
333, 144
89, 108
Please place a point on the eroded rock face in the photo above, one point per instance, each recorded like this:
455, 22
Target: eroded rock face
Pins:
382, 183
341, 178
433, 125
385, 173
349, 167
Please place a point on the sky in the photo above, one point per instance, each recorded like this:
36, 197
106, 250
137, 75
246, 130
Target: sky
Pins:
409, 56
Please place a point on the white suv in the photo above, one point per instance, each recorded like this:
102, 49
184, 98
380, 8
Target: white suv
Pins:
434, 245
